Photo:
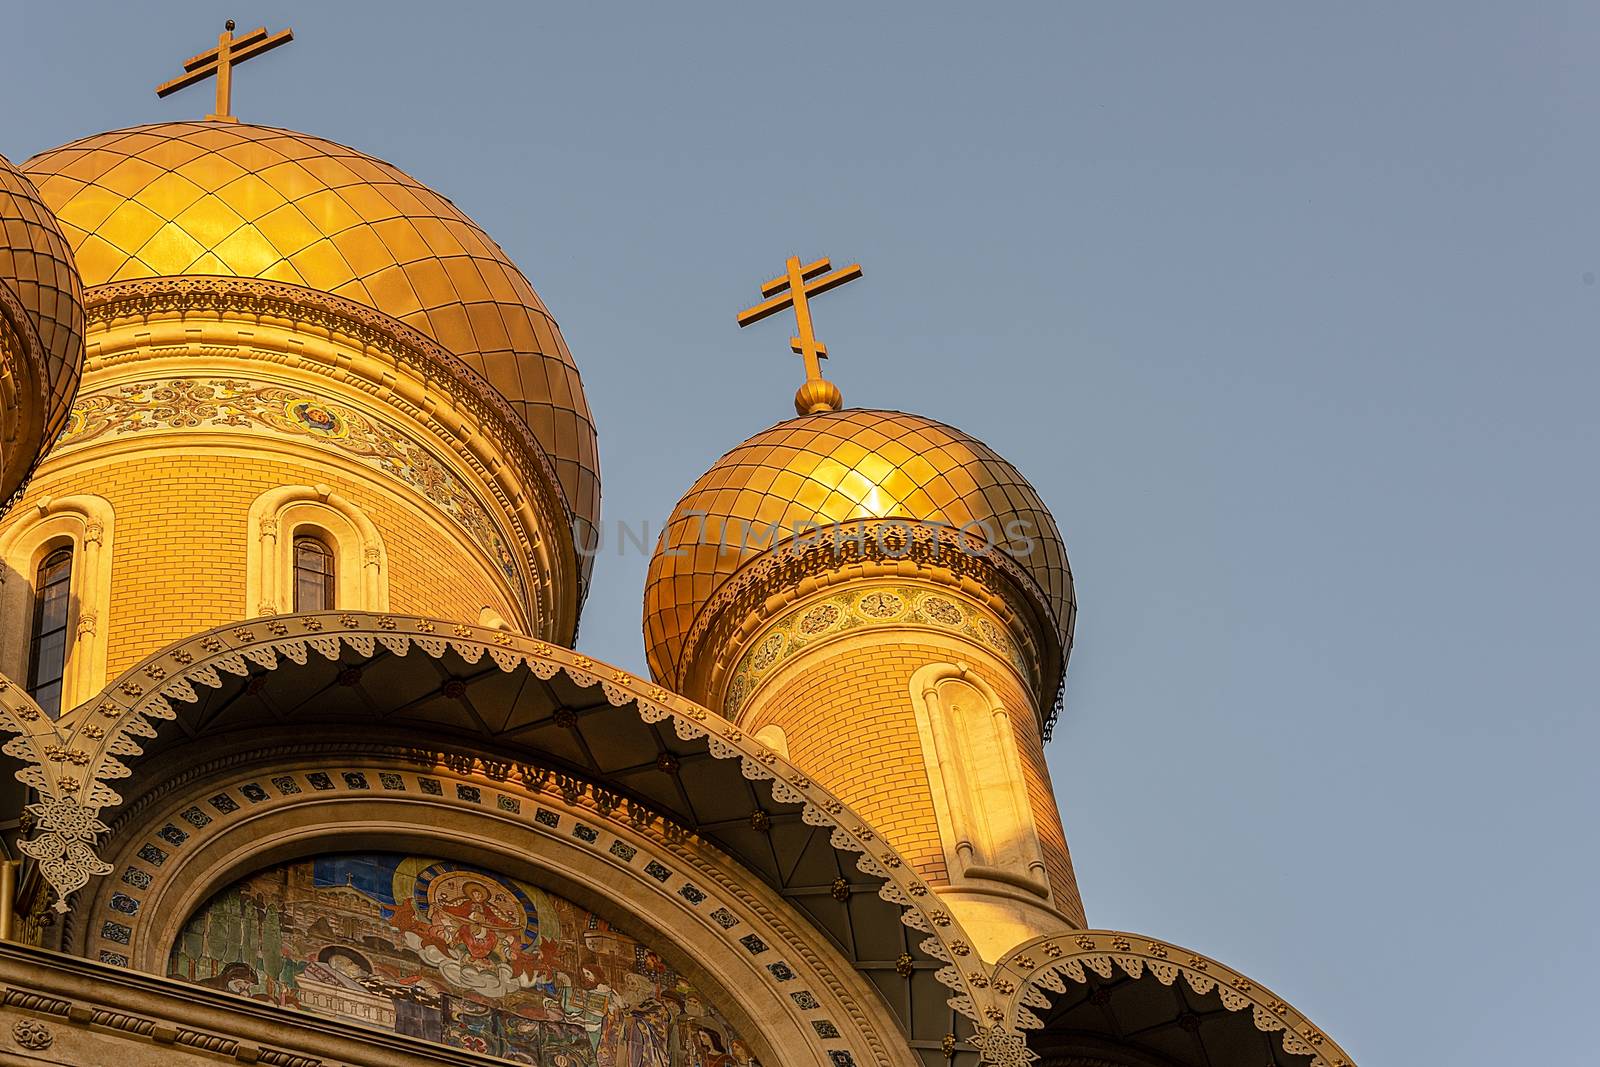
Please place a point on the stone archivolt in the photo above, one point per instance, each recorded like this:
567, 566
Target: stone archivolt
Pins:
674, 890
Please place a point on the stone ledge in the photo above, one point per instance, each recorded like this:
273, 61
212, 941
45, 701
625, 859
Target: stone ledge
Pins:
60, 1009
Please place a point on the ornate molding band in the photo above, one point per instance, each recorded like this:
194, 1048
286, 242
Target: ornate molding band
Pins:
244, 405
422, 360
35, 1035
898, 546
864, 607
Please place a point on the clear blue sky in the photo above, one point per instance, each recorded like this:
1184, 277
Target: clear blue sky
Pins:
1289, 312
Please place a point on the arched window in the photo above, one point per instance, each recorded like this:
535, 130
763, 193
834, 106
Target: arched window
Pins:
313, 574
55, 597
310, 549
47, 650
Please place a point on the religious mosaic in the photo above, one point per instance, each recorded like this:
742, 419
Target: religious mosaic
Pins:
188, 403
453, 954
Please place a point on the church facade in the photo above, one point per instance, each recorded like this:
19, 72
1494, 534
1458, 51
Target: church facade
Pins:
305, 769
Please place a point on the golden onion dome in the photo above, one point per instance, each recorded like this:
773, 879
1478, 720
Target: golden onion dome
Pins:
232, 199
839, 467
41, 328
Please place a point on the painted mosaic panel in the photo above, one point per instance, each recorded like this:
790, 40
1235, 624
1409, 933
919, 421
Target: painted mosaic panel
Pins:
214, 404
453, 954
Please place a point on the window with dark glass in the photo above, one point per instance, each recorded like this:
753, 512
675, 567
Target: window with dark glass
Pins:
47, 651
313, 574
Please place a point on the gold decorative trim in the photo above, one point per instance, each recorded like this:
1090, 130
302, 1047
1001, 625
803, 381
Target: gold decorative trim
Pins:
423, 360
897, 547
862, 607
259, 405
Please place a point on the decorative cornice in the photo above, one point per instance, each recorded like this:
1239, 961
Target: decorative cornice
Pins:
873, 548
945, 609
296, 308
175, 1014
32, 1034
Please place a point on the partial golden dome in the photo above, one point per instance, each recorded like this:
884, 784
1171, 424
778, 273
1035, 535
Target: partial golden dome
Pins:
838, 467
224, 198
41, 329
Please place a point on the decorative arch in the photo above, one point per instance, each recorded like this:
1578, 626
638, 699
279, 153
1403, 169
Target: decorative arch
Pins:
205, 678
784, 989
87, 524
278, 516
1033, 977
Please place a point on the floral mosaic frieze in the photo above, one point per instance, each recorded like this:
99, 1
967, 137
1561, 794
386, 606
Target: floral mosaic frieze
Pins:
860, 608
239, 404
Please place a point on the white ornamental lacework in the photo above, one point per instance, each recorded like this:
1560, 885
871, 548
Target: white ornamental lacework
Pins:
70, 762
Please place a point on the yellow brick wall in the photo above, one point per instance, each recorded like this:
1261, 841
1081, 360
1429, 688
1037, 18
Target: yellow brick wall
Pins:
849, 722
850, 725
178, 552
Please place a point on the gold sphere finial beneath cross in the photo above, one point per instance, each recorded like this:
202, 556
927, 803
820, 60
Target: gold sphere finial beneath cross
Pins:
794, 289
816, 396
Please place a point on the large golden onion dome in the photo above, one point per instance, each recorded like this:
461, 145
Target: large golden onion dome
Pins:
838, 467
229, 198
41, 329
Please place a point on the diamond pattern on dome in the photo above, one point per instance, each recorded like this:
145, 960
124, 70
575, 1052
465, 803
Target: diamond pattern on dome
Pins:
36, 266
257, 202
830, 468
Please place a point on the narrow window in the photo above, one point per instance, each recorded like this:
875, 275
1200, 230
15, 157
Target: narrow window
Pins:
313, 574
47, 652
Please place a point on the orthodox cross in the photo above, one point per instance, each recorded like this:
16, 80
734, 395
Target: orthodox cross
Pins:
220, 61
794, 289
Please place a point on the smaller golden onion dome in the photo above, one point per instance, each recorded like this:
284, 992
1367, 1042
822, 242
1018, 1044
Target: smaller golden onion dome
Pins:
41, 328
833, 467
245, 201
